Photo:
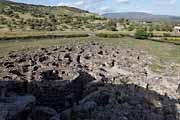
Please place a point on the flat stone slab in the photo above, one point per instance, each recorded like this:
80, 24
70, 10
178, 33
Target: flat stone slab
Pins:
10, 107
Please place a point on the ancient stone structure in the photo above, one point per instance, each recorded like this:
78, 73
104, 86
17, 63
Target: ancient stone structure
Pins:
87, 82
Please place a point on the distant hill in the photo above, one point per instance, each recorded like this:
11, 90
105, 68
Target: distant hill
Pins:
5, 1
142, 16
59, 10
19, 16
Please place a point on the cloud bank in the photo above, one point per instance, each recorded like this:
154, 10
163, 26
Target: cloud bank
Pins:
103, 6
99, 6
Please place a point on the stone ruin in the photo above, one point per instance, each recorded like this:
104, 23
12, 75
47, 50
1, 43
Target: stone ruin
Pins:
93, 81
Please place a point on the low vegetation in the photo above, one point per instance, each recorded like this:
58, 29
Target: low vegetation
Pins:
109, 35
142, 33
22, 17
42, 35
157, 68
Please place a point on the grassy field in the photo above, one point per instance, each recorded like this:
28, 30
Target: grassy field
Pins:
9, 46
36, 34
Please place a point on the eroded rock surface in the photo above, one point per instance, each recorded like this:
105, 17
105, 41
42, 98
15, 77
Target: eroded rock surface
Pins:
93, 81
16, 107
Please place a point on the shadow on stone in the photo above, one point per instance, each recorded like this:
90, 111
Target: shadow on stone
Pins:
84, 98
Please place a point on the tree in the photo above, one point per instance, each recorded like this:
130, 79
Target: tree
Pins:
151, 28
167, 27
166, 34
111, 25
8, 11
131, 27
16, 16
10, 27
142, 33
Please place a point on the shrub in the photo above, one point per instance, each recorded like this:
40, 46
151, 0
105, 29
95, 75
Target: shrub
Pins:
111, 25
106, 35
150, 34
141, 33
16, 16
166, 34
44, 36
131, 27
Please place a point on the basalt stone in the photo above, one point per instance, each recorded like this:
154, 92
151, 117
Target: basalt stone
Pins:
102, 75
90, 105
100, 52
16, 107
67, 56
69, 49
68, 61
49, 53
13, 56
102, 69
43, 58
7, 77
44, 113
101, 97
21, 59
50, 75
81, 51
16, 72
25, 68
35, 68
43, 49
79, 59
10, 66
87, 57
8, 63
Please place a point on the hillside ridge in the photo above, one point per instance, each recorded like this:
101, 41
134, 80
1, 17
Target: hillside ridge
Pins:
141, 16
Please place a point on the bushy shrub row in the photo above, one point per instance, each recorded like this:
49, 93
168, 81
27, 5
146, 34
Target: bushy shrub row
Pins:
43, 36
142, 33
108, 35
166, 34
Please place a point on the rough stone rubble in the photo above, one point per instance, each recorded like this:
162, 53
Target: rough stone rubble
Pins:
89, 82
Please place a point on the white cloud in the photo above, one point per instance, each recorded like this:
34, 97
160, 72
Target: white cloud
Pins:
122, 1
12, 0
92, 5
167, 1
78, 4
172, 1
81, 2
63, 4
98, 6
104, 9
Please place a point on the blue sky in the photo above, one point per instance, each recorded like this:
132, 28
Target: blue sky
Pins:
167, 7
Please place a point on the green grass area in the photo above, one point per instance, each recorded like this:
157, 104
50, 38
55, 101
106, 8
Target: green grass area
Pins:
110, 35
158, 68
9, 46
122, 32
163, 51
173, 38
36, 34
